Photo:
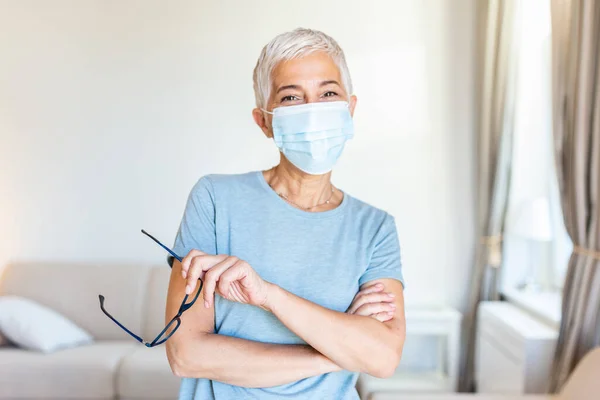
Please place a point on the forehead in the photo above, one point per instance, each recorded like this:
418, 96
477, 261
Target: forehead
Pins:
318, 66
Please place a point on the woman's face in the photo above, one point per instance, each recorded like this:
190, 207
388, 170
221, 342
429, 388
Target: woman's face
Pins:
310, 79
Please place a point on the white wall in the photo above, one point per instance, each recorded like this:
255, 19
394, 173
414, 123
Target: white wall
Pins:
111, 110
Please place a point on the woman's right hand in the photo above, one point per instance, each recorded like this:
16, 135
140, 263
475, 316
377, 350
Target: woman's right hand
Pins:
373, 301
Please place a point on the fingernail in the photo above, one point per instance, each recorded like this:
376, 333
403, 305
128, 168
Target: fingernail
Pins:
390, 313
379, 285
183, 274
206, 305
391, 295
393, 305
188, 289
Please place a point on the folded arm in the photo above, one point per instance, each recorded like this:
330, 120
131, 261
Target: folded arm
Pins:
195, 351
244, 363
354, 342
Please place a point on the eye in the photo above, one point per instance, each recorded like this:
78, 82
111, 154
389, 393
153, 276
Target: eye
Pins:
289, 98
330, 94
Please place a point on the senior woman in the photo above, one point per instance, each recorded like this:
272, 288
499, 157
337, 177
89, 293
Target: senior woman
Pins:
302, 283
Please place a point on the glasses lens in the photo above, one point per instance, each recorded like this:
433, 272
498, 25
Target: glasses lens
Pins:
191, 302
172, 327
168, 331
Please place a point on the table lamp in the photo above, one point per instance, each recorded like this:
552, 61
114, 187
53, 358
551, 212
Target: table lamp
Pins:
532, 223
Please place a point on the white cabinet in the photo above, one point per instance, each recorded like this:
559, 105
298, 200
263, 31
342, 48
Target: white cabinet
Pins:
514, 350
441, 327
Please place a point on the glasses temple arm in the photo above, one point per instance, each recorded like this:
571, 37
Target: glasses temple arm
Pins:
136, 337
171, 252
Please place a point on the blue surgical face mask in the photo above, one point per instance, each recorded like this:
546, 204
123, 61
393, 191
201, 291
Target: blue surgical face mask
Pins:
312, 135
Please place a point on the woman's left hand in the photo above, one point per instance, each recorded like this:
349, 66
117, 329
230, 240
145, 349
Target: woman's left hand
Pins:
230, 277
373, 301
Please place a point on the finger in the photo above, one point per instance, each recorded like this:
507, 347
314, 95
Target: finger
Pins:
383, 316
236, 294
193, 273
187, 260
377, 287
213, 275
231, 275
374, 308
356, 302
198, 266
371, 298
360, 296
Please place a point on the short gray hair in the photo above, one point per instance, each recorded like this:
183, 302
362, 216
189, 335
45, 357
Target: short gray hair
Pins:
295, 44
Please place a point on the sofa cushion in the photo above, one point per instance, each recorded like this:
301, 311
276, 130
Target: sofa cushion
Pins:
146, 374
86, 372
156, 301
72, 290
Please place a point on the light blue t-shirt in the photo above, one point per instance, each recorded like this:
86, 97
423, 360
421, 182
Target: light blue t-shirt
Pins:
323, 257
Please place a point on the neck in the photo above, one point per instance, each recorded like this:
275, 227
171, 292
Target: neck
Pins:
301, 188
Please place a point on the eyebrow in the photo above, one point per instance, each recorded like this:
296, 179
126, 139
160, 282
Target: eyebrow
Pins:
325, 83
297, 87
288, 87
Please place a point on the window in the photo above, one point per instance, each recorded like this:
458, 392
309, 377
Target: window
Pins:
535, 258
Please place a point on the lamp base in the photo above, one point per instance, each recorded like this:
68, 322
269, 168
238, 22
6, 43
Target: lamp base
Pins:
530, 286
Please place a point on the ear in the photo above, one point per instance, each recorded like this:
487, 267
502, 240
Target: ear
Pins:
263, 120
352, 104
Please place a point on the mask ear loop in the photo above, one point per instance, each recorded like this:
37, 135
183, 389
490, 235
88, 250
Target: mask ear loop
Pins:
348, 101
268, 112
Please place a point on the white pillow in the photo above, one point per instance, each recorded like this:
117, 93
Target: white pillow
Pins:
32, 326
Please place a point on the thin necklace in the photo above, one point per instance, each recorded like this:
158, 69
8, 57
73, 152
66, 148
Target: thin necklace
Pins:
283, 196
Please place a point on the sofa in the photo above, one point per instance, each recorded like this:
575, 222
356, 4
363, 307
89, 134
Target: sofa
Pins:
115, 366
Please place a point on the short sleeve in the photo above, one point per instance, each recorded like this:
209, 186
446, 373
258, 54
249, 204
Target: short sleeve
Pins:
385, 261
197, 227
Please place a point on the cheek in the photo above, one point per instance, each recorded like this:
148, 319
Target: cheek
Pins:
269, 126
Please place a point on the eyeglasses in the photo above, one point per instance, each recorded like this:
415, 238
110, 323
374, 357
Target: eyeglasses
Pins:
169, 330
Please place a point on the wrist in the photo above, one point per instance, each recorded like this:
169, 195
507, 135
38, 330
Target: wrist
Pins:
273, 293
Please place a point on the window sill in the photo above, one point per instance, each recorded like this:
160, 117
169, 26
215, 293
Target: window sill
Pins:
544, 305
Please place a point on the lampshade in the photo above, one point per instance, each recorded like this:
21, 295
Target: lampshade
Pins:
532, 220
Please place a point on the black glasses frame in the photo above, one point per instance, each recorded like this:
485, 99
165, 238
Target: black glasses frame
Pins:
176, 319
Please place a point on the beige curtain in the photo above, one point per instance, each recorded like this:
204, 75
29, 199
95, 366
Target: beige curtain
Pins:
576, 109
497, 92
